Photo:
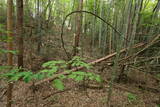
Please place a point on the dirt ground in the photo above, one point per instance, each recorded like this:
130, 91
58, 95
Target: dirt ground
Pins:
81, 95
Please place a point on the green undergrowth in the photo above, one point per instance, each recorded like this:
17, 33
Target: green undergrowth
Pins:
51, 68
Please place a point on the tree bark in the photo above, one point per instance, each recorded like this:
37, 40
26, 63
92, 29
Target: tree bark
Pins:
79, 29
10, 47
20, 31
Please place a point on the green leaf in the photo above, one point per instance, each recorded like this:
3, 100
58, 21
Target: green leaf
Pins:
14, 70
49, 74
44, 71
62, 77
54, 69
16, 77
8, 51
132, 97
79, 73
28, 77
89, 74
50, 64
7, 75
57, 83
98, 79
79, 78
4, 67
72, 76
10, 74
79, 62
38, 76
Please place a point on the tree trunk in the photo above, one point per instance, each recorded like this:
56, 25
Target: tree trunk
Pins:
79, 29
94, 26
20, 31
39, 28
10, 47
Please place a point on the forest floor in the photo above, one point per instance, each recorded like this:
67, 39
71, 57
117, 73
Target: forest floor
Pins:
138, 89
78, 95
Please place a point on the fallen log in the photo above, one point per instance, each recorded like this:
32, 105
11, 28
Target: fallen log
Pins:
92, 63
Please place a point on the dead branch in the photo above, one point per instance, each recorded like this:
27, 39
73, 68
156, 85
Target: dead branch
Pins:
57, 92
105, 58
148, 59
157, 79
92, 63
117, 86
149, 88
152, 42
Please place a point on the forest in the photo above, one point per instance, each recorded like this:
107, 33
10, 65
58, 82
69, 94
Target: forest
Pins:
79, 53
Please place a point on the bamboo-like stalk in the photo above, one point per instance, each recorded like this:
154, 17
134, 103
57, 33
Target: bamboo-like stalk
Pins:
94, 25
133, 34
100, 24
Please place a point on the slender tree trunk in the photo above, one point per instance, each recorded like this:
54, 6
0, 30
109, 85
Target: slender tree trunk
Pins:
39, 28
137, 12
10, 47
139, 18
20, 31
94, 27
100, 25
110, 29
129, 20
72, 6
79, 29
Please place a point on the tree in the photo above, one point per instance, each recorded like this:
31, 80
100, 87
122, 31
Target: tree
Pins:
10, 47
20, 31
79, 28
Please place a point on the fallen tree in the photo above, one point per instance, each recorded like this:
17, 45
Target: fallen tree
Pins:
92, 63
146, 46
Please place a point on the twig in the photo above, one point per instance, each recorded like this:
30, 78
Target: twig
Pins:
57, 93
117, 86
3, 94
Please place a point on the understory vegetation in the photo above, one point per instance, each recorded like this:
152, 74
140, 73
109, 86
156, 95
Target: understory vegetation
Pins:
79, 53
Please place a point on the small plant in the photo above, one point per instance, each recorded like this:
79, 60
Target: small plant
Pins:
158, 76
131, 97
4, 51
51, 68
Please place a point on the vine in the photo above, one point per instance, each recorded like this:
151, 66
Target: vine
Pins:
83, 11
